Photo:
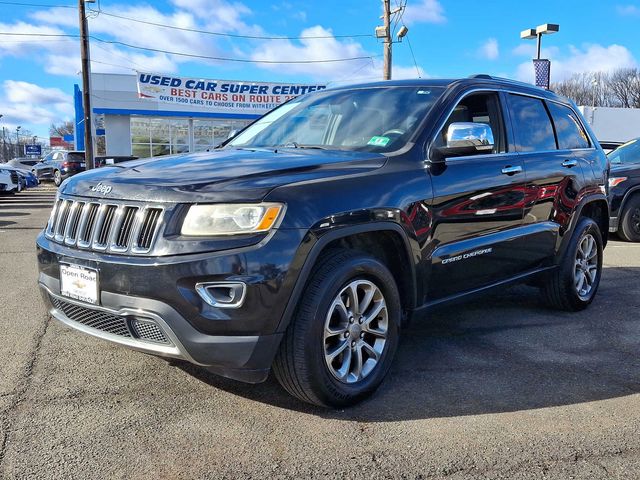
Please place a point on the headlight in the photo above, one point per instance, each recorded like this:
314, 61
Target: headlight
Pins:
232, 219
613, 181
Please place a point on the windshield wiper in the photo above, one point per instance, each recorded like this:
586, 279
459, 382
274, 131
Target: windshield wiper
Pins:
299, 145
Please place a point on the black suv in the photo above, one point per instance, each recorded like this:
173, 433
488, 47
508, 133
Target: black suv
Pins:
624, 191
308, 240
59, 165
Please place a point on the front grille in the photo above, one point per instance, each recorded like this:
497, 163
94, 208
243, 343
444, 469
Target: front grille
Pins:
111, 227
121, 325
148, 331
103, 321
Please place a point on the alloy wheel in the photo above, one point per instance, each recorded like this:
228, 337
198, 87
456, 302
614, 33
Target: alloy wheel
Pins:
355, 331
635, 221
586, 265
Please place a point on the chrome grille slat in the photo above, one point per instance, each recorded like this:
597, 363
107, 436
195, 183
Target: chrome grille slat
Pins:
63, 213
85, 228
72, 223
115, 227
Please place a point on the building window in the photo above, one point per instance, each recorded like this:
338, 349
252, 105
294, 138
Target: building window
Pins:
209, 133
154, 137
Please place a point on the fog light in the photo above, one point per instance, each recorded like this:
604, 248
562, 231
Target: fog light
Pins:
222, 294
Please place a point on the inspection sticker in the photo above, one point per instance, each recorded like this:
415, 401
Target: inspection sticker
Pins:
378, 141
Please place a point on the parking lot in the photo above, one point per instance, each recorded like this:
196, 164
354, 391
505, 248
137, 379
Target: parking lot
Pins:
498, 388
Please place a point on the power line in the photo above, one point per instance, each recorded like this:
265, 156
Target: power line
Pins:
22, 34
193, 55
37, 5
194, 30
414, 57
231, 35
227, 59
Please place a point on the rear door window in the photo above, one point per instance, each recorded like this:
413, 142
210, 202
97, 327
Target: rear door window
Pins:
531, 123
570, 133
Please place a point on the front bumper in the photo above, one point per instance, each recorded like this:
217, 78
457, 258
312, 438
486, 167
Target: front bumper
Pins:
247, 358
157, 294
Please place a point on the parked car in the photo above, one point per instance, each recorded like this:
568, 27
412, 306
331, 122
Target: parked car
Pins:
26, 163
26, 178
307, 241
609, 146
59, 165
9, 180
624, 191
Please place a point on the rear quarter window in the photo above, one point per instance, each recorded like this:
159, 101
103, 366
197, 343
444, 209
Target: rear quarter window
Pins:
531, 123
569, 131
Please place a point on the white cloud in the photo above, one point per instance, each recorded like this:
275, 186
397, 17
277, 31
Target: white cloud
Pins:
28, 103
489, 50
628, 10
589, 58
315, 49
424, 11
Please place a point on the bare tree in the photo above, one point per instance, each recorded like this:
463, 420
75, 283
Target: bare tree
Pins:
620, 88
625, 87
61, 129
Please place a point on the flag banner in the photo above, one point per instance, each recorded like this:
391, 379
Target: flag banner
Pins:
543, 72
220, 95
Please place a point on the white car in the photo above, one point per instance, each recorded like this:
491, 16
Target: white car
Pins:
9, 181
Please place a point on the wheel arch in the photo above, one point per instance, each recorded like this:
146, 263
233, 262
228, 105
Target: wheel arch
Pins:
594, 206
374, 239
629, 194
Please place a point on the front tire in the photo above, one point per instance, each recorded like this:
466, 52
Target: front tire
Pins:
57, 178
573, 285
344, 333
630, 220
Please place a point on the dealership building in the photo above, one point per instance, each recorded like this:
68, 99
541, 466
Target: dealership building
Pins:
149, 115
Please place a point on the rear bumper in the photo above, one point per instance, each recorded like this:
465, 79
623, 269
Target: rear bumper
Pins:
246, 358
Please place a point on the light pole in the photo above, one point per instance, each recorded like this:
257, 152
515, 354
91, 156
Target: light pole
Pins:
542, 66
18, 140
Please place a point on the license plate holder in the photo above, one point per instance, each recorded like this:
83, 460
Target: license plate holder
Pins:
79, 283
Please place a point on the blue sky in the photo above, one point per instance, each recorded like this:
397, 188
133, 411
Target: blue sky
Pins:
450, 38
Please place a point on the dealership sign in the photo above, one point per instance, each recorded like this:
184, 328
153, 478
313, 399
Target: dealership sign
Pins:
219, 95
33, 149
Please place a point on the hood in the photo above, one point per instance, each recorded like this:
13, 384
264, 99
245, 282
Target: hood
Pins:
632, 169
221, 175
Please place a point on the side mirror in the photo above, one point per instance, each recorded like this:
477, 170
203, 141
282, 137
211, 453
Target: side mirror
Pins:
466, 138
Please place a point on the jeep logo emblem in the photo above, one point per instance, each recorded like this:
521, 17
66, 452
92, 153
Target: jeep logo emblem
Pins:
102, 188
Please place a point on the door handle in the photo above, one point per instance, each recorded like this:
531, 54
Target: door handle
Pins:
570, 163
509, 170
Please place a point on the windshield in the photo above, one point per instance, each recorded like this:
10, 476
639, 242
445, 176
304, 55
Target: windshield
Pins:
627, 153
380, 119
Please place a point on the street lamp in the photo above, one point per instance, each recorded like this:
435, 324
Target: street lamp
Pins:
542, 66
18, 141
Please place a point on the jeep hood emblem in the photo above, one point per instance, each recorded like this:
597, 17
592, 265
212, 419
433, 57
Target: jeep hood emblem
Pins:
102, 188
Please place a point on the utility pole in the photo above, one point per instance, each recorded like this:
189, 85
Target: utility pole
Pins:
86, 80
386, 16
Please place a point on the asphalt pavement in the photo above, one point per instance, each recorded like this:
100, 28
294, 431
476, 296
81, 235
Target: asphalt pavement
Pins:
502, 387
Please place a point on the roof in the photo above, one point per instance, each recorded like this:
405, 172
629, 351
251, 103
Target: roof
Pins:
473, 80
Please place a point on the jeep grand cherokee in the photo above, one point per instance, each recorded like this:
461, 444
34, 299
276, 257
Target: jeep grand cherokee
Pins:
308, 240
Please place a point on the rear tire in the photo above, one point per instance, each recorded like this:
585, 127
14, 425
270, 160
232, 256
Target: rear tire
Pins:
57, 178
630, 220
573, 285
337, 350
